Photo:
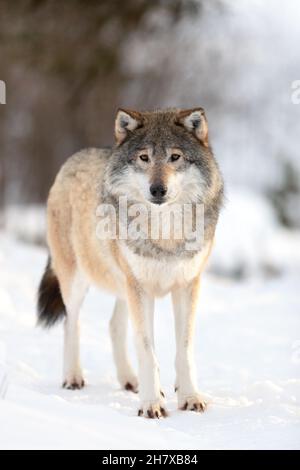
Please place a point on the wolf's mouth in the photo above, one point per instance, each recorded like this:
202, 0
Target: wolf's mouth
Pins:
158, 201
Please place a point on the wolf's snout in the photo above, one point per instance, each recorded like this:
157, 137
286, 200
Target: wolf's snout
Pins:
158, 190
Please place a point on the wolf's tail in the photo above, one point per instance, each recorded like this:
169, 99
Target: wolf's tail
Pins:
50, 305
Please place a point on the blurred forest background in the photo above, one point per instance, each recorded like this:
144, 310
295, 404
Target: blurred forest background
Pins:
68, 66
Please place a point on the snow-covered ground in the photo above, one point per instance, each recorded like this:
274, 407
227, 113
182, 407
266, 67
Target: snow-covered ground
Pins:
248, 357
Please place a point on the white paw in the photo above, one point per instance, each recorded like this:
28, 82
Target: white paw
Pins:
153, 409
129, 382
73, 381
192, 402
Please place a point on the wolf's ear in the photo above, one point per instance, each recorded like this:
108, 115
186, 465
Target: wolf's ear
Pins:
126, 121
194, 120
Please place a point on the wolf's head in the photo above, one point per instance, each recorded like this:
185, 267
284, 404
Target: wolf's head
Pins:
163, 157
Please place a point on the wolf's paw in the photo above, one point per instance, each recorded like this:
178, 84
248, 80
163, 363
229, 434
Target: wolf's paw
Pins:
73, 382
129, 383
131, 386
193, 402
153, 409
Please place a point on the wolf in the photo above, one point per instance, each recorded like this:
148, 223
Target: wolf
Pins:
160, 159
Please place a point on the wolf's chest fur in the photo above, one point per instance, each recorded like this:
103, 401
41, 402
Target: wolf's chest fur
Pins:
160, 276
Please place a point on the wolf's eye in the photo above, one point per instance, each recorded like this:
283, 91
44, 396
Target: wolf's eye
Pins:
144, 157
174, 157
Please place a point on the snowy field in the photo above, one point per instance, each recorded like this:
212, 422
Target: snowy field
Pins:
248, 357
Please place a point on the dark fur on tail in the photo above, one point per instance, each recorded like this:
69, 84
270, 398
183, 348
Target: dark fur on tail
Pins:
51, 307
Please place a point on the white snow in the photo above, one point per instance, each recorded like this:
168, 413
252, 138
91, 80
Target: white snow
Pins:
249, 239
248, 359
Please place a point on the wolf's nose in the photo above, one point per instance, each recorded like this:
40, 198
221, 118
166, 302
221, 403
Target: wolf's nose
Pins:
158, 190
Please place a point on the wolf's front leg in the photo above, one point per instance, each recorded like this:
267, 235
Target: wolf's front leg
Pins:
118, 332
141, 309
184, 303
